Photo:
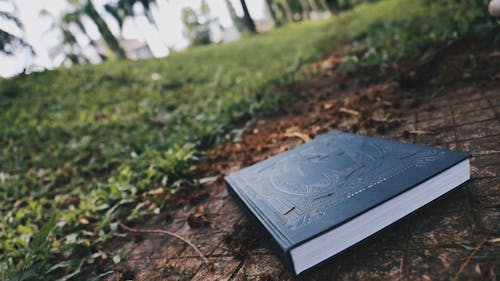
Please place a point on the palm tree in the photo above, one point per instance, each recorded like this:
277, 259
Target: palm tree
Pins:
9, 42
146, 6
87, 8
119, 11
103, 28
123, 9
75, 18
248, 19
68, 46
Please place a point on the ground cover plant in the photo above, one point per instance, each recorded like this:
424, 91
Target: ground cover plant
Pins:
86, 146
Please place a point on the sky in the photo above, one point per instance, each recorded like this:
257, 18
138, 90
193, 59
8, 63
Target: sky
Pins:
39, 34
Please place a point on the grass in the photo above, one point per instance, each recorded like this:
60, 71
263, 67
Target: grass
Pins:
84, 146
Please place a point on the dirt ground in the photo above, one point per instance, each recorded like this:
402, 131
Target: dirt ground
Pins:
449, 98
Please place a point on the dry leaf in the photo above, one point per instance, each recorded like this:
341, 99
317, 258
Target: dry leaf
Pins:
302, 136
295, 132
422, 132
349, 111
327, 105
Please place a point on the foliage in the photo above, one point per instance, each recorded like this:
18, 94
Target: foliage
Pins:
122, 9
247, 18
237, 21
86, 8
10, 43
197, 26
69, 46
26, 269
432, 23
92, 144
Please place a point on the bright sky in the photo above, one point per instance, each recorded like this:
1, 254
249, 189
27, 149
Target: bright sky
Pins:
168, 16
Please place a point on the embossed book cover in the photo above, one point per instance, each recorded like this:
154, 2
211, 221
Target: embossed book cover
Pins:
326, 195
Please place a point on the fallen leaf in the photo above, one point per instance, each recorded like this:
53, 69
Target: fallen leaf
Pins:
494, 240
207, 180
349, 111
494, 54
422, 132
302, 136
198, 220
327, 105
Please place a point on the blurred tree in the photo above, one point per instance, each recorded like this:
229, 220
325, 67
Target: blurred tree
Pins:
69, 46
122, 9
9, 42
333, 5
271, 11
324, 5
248, 19
197, 26
237, 21
305, 9
314, 6
87, 8
346, 5
75, 18
287, 10
103, 28
147, 5
125, 8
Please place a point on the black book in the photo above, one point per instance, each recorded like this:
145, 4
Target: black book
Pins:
324, 196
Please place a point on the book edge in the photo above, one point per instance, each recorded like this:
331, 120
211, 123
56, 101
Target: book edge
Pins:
386, 226
282, 248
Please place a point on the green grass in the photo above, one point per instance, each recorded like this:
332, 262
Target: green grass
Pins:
87, 145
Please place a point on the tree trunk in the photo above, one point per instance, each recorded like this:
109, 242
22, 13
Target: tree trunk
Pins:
287, 10
347, 5
248, 19
103, 28
237, 21
333, 5
305, 9
324, 5
272, 13
314, 6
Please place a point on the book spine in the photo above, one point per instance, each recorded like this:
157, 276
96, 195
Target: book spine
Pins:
282, 251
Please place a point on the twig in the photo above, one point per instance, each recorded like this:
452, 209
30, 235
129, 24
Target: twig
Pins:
472, 254
165, 232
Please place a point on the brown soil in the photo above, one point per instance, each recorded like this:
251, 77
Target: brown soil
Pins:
450, 98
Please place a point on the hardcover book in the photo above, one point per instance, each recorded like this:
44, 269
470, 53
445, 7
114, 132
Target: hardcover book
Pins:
329, 194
